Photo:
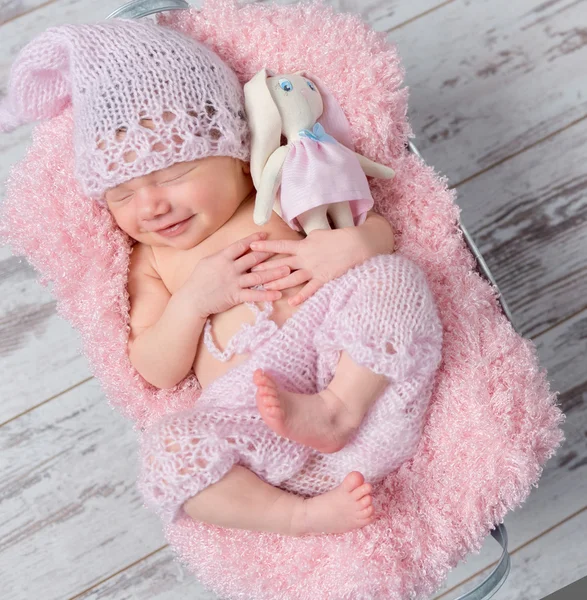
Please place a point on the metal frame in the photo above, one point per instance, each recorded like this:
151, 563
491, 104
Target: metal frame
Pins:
493, 582
135, 9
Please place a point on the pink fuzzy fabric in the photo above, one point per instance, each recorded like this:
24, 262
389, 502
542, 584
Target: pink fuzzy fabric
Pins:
493, 421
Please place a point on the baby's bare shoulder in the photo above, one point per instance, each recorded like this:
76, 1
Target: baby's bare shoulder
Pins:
142, 261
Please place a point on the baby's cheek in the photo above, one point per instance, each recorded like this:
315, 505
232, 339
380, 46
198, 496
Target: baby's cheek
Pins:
125, 223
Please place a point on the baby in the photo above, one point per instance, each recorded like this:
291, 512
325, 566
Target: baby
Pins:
161, 138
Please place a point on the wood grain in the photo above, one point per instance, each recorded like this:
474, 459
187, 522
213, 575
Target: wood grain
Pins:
11, 9
491, 77
563, 351
71, 514
528, 217
39, 351
158, 577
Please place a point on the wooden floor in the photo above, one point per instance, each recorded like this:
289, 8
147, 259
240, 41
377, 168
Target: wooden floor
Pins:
498, 102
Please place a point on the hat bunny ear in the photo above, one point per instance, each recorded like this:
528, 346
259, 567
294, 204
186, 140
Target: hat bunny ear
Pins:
39, 85
333, 118
264, 123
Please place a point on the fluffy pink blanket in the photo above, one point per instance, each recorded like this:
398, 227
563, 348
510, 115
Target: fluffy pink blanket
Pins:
492, 422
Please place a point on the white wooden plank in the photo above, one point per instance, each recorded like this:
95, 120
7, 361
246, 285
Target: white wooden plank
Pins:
11, 9
158, 577
528, 217
563, 352
544, 566
19, 32
488, 78
70, 515
40, 353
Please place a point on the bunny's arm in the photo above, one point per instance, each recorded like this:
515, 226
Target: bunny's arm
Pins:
374, 169
270, 180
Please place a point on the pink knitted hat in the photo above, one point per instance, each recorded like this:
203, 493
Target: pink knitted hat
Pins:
143, 95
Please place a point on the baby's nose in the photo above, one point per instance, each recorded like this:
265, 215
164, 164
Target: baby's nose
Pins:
152, 201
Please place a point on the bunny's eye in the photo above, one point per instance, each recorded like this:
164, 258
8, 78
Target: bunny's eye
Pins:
311, 85
285, 84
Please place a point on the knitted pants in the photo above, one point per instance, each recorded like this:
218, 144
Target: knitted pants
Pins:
383, 315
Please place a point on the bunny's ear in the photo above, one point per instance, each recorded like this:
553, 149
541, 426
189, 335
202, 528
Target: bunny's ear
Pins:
333, 118
264, 123
39, 85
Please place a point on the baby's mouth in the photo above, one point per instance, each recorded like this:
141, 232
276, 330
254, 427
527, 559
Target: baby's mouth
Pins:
176, 229
173, 228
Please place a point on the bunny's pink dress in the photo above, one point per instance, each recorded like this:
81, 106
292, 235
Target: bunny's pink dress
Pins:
383, 314
318, 170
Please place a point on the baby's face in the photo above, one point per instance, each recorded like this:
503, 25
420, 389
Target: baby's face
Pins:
202, 195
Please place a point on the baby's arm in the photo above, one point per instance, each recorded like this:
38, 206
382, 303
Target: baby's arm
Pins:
165, 328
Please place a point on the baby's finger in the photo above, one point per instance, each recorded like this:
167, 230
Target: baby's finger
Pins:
296, 278
277, 246
289, 261
241, 246
251, 279
244, 263
247, 295
308, 290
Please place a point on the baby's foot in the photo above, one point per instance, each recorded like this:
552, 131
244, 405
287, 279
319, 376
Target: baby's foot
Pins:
320, 421
346, 507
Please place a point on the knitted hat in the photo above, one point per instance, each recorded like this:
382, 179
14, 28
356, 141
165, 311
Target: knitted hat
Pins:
143, 96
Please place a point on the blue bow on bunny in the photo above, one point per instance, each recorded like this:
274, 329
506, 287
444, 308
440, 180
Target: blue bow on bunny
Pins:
317, 134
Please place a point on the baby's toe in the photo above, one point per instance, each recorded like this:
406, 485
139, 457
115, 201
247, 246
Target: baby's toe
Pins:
365, 513
362, 490
275, 412
365, 501
353, 481
268, 394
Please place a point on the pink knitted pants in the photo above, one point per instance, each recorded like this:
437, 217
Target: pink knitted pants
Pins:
383, 314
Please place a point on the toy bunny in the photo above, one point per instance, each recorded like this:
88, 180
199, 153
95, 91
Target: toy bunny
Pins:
319, 172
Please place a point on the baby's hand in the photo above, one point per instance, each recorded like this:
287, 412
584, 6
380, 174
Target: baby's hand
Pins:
320, 257
221, 281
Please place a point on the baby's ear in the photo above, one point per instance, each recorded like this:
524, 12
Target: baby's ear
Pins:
246, 167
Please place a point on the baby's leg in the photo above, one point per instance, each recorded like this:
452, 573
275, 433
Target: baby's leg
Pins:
382, 322
315, 218
341, 214
242, 500
327, 420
